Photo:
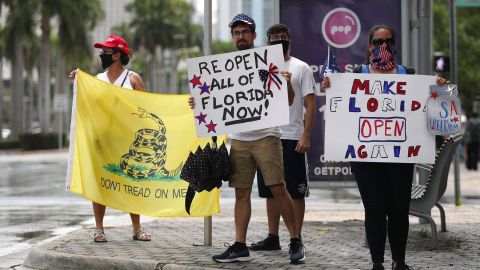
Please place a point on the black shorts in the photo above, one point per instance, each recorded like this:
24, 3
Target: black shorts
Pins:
296, 177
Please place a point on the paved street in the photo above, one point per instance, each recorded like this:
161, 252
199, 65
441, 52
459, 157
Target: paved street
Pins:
34, 206
33, 203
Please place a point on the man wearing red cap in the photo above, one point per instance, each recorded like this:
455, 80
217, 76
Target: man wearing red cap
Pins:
114, 56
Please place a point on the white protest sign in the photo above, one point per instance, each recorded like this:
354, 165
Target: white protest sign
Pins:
378, 118
239, 91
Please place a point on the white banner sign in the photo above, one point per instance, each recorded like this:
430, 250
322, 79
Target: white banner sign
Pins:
378, 118
239, 91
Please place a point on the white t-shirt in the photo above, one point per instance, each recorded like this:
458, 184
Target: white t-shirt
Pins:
303, 84
123, 78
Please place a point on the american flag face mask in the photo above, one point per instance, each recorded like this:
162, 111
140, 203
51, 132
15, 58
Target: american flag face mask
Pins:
270, 76
382, 58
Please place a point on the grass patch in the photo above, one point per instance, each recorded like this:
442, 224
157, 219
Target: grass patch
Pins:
9, 144
115, 169
423, 233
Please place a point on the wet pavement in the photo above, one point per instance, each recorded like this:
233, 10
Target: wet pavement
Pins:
34, 205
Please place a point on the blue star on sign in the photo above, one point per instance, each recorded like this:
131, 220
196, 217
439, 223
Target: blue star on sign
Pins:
204, 89
201, 118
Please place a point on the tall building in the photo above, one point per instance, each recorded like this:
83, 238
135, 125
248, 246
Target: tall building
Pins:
115, 14
197, 16
262, 11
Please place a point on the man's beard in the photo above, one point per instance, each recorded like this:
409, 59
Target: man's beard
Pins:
242, 45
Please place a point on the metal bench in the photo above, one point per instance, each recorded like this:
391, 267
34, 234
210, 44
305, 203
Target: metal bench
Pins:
425, 196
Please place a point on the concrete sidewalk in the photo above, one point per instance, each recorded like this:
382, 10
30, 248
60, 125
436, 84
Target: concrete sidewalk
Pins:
333, 235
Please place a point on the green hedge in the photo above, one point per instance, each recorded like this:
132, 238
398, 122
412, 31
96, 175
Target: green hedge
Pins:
40, 141
10, 144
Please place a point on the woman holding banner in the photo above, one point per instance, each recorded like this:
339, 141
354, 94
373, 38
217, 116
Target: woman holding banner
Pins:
384, 187
114, 56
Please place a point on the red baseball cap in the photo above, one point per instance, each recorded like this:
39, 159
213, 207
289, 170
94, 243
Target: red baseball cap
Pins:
113, 42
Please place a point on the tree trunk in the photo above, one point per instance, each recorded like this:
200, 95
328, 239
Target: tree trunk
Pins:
60, 89
1, 98
28, 107
162, 84
17, 88
44, 76
68, 113
173, 72
64, 88
151, 74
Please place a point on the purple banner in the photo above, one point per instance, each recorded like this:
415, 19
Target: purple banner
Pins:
344, 25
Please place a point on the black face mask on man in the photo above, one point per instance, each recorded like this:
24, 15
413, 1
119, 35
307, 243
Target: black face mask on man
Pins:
107, 60
285, 45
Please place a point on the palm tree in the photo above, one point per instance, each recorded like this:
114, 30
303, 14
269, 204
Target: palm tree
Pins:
31, 60
20, 23
46, 10
2, 49
160, 25
74, 24
74, 43
187, 36
152, 29
139, 60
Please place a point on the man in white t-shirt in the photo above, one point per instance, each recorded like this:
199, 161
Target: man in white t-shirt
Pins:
295, 141
251, 150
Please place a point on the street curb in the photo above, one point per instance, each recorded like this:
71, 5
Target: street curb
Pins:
41, 258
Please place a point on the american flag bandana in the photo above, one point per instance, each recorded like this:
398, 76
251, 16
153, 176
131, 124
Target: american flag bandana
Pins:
382, 58
269, 76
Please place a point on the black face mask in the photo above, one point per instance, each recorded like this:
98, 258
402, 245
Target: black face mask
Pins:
107, 60
285, 45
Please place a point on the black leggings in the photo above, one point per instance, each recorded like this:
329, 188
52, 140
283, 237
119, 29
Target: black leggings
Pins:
385, 189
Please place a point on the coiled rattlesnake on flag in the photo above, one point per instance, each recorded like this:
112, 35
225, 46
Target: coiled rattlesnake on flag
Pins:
147, 154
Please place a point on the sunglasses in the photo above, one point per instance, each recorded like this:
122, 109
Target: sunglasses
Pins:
379, 42
276, 37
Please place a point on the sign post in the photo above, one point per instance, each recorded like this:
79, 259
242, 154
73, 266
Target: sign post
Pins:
60, 106
453, 72
207, 50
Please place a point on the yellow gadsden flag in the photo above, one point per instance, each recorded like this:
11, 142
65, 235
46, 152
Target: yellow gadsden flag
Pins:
127, 149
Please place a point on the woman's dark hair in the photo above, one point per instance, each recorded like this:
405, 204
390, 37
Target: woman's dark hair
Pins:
124, 58
372, 31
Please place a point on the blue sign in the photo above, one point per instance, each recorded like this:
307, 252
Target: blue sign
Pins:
468, 3
344, 25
